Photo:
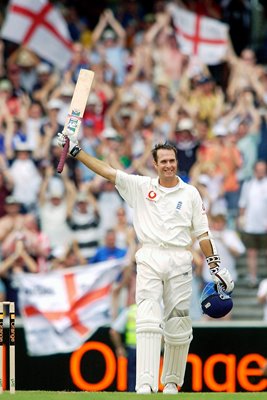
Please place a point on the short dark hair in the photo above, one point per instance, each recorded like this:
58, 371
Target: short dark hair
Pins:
163, 146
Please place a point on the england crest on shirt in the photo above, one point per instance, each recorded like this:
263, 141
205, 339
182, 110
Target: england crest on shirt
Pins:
179, 205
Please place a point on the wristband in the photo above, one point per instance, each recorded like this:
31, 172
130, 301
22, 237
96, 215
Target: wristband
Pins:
76, 150
213, 259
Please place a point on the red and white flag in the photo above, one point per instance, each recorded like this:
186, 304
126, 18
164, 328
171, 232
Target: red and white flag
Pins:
199, 36
63, 308
39, 26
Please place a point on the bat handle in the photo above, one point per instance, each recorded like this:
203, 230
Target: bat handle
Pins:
63, 156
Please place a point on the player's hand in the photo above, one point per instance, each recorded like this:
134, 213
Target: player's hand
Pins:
223, 278
62, 137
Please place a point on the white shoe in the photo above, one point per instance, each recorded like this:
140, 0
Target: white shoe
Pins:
144, 389
170, 388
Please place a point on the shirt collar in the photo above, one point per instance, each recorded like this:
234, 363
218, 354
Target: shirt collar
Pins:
155, 183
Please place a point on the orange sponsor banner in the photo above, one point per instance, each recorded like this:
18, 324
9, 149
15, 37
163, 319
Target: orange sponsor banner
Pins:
235, 372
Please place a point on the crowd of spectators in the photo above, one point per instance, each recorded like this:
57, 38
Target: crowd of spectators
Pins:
145, 91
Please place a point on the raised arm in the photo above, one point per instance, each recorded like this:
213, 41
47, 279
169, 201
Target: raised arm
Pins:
99, 29
98, 166
116, 26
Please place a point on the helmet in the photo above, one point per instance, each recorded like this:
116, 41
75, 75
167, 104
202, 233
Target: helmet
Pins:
215, 302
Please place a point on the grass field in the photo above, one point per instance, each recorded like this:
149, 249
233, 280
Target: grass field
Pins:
28, 395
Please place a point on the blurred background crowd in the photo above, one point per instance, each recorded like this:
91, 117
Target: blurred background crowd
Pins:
145, 91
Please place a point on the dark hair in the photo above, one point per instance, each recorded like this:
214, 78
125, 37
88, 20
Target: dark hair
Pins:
163, 146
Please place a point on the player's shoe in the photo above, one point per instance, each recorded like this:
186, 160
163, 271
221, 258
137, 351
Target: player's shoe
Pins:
170, 388
144, 389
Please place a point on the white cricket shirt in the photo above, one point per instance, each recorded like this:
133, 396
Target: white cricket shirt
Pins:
163, 217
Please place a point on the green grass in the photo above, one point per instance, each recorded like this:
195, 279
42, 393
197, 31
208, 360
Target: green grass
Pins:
36, 395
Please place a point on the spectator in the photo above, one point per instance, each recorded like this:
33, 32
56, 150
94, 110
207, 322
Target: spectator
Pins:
70, 257
94, 111
140, 77
13, 218
84, 222
125, 234
210, 185
79, 60
27, 61
36, 243
108, 250
33, 123
23, 169
20, 260
49, 127
166, 56
46, 81
244, 71
247, 143
90, 143
187, 146
253, 219
108, 39
223, 153
56, 200
6, 184
107, 194
206, 99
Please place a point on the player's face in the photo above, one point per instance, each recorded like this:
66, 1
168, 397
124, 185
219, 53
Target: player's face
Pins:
166, 165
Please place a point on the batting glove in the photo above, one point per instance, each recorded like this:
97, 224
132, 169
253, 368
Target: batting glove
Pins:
223, 278
74, 148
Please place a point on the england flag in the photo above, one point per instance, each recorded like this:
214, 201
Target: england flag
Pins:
61, 309
199, 36
39, 26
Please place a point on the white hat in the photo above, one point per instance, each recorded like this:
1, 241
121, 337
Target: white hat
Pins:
109, 34
67, 90
127, 98
43, 68
219, 130
55, 193
125, 112
11, 200
110, 133
93, 99
23, 146
26, 58
82, 197
5, 84
54, 104
203, 179
162, 80
185, 124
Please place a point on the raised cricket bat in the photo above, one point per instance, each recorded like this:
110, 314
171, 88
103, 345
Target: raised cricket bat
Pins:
76, 110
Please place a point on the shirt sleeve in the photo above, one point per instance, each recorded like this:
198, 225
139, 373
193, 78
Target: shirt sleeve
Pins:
199, 221
128, 186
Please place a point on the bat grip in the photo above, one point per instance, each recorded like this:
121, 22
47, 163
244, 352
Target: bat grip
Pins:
63, 156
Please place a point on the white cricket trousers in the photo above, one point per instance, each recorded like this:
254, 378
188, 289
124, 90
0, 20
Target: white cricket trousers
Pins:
164, 275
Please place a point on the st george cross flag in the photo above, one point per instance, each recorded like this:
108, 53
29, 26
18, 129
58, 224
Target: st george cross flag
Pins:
39, 26
61, 309
203, 37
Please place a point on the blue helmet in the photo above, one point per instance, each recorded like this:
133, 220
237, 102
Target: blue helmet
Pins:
215, 302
